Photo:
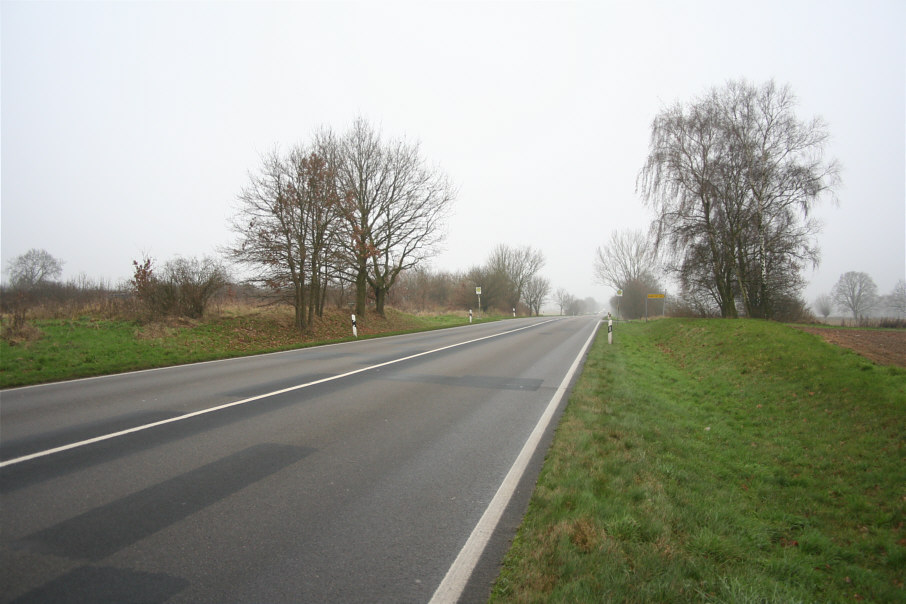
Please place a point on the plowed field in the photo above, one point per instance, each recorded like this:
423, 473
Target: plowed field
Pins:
885, 347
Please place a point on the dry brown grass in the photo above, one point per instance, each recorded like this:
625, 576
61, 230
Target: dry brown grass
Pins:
17, 331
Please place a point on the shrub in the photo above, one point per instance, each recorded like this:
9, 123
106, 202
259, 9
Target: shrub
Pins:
184, 288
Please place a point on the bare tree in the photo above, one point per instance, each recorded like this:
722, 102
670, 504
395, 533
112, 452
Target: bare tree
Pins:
518, 266
269, 233
536, 292
564, 300
364, 178
624, 258
284, 222
628, 263
313, 185
732, 178
855, 292
33, 268
395, 207
679, 180
898, 297
824, 305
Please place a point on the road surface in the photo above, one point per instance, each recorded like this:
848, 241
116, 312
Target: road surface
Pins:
355, 472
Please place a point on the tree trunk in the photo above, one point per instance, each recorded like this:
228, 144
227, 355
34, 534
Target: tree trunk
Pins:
361, 288
380, 295
314, 294
322, 293
299, 304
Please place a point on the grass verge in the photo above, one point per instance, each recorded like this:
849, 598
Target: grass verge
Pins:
719, 461
62, 349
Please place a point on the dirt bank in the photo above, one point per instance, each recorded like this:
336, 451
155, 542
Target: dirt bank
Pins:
885, 347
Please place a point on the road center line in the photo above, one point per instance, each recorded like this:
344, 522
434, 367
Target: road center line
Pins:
454, 582
97, 439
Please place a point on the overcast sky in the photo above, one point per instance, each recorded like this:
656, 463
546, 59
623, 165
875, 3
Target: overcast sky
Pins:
130, 127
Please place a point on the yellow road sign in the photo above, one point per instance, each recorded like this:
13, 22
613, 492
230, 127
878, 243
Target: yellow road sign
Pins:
655, 295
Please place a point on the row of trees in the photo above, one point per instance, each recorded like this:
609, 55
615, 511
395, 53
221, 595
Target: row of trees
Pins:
572, 306
341, 208
855, 292
732, 178
509, 279
629, 260
181, 286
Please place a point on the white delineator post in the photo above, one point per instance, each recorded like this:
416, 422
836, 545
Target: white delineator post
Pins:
610, 331
470, 316
355, 331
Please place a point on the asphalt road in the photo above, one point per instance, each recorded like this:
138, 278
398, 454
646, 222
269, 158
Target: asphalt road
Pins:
347, 473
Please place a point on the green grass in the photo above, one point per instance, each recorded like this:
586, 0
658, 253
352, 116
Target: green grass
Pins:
74, 348
719, 461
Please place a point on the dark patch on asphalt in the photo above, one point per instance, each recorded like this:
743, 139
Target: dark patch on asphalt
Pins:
35, 471
105, 584
105, 530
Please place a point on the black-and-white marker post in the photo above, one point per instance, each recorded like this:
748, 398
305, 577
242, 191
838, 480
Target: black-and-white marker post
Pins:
470, 316
610, 331
355, 331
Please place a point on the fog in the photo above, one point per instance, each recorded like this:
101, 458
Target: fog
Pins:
130, 128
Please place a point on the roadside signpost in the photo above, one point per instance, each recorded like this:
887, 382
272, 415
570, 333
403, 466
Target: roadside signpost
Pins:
654, 297
478, 293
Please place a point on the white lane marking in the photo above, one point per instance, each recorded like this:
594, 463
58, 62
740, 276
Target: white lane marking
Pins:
244, 401
454, 582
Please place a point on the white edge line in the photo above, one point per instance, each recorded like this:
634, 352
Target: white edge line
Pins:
171, 420
454, 582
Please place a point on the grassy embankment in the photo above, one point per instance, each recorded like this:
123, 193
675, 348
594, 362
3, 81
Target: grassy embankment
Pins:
720, 461
61, 349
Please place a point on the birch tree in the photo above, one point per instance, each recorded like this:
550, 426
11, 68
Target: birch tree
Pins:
732, 178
